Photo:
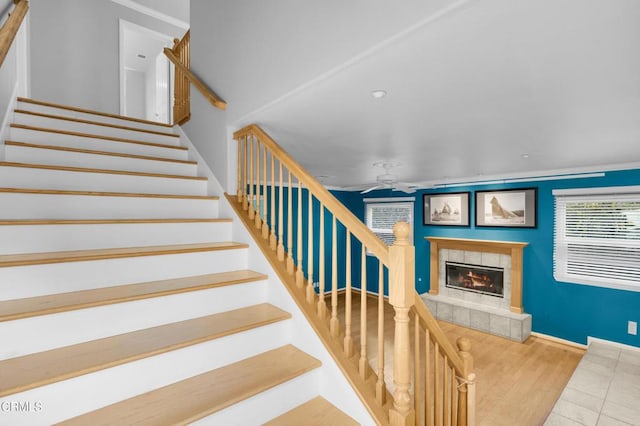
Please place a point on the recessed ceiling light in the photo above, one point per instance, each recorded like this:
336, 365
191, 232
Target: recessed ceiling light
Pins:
379, 94
525, 156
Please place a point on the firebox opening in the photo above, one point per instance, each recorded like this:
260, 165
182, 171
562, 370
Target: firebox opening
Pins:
476, 278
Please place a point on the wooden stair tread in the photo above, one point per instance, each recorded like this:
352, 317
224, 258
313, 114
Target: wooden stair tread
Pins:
96, 152
316, 412
94, 136
194, 398
39, 369
103, 194
9, 260
54, 303
94, 123
88, 111
89, 170
29, 222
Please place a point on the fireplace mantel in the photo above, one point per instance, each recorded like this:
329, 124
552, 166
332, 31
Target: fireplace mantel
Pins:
514, 249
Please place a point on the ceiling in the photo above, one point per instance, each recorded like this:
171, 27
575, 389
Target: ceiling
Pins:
476, 90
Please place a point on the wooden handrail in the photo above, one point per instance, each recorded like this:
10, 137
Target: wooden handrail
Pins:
448, 382
428, 322
344, 215
11, 26
209, 94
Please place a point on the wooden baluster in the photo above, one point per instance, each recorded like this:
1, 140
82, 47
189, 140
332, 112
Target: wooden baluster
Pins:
428, 408
454, 399
446, 407
299, 273
381, 388
401, 296
273, 240
258, 219
363, 363
265, 222
334, 324
245, 205
466, 389
437, 404
322, 303
290, 269
348, 340
416, 369
280, 249
251, 210
239, 188
310, 289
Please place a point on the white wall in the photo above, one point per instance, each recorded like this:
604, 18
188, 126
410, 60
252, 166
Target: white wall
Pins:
150, 91
74, 50
136, 89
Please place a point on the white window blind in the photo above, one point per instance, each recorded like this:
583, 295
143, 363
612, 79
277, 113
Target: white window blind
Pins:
597, 239
381, 216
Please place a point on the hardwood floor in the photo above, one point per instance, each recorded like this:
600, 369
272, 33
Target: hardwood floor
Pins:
517, 383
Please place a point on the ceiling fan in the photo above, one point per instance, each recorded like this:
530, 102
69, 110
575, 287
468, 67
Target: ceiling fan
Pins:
388, 180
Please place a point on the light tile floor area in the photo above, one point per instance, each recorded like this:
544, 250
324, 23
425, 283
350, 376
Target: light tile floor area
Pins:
603, 391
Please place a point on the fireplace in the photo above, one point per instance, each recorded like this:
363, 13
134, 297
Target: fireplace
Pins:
487, 280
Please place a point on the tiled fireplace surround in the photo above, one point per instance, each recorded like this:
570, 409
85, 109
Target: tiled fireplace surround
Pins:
501, 316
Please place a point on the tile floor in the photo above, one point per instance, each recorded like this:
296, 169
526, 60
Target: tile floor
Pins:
603, 391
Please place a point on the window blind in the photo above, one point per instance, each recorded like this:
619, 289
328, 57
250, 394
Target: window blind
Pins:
597, 239
382, 216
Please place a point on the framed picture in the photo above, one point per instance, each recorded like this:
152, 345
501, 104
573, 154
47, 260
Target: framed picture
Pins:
450, 209
512, 208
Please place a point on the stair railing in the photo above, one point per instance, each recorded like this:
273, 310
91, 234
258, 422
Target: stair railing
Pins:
180, 56
11, 26
319, 246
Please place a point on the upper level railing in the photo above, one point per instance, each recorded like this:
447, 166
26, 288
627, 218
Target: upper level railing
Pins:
11, 26
325, 255
180, 56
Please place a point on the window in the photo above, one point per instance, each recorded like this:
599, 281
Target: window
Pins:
382, 213
597, 237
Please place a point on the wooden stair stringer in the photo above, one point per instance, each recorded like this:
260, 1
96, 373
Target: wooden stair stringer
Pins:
363, 388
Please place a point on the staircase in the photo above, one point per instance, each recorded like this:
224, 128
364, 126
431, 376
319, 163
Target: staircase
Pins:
123, 297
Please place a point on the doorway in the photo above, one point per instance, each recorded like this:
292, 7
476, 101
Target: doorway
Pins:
145, 74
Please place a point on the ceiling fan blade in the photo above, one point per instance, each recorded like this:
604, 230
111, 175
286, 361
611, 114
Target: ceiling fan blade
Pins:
372, 188
404, 188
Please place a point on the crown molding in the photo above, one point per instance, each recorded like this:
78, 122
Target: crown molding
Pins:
153, 13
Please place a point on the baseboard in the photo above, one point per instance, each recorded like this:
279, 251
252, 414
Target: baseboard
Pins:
559, 340
591, 340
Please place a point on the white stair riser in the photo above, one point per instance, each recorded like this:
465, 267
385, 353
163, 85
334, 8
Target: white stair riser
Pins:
95, 390
44, 238
266, 405
95, 129
72, 327
57, 139
33, 178
44, 206
38, 280
28, 106
18, 154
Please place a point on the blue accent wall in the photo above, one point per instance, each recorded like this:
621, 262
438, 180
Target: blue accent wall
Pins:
567, 311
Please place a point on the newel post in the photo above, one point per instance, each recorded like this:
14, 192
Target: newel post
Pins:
401, 297
467, 385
